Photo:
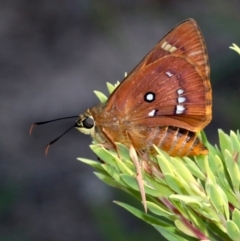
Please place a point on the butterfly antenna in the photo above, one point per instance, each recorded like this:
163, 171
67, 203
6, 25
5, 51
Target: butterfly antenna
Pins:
46, 122
56, 139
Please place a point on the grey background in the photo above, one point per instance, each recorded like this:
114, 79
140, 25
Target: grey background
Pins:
53, 54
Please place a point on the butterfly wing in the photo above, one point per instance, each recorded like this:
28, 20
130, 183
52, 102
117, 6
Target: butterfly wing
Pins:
186, 40
171, 84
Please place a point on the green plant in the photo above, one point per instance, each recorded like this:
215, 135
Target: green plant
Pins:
235, 48
187, 198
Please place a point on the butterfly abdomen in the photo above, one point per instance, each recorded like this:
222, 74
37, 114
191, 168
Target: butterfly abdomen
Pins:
177, 141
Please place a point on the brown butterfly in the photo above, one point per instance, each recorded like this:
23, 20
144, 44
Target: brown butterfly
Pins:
164, 101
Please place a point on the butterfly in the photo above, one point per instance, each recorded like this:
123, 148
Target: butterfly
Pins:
165, 101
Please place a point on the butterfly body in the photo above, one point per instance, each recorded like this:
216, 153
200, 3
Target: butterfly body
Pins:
164, 101
176, 141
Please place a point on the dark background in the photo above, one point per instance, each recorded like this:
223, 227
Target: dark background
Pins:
53, 54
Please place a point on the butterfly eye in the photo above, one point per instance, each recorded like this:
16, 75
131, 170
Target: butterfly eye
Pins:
88, 122
85, 124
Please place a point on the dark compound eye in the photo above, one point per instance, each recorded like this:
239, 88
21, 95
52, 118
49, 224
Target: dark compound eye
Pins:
88, 123
149, 97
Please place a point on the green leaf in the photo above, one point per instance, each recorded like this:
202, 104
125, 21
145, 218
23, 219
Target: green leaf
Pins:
218, 199
164, 163
210, 176
200, 162
132, 183
225, 141
235, 48
163, 189
113, 173
146, 217
224, 200
107, 179
111, 158
233, 230
188, 200
170, 235
236, 217
182, 171
112, 87
158, 210
175, 184
165, 227
235, 141
193, 168
103, 98
233, 170
184, 228
220, 172
95, 164
185, 177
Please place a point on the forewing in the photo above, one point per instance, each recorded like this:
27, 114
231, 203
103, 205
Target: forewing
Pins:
176, 72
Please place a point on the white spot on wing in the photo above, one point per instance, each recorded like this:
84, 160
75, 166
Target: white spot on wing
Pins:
180, 109
169, 74
168, 47
194, 53
150, 97
180, 91
164, 45
181, 99
172, 49
152, 113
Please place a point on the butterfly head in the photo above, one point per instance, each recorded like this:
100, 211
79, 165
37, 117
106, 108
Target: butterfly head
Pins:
86, 124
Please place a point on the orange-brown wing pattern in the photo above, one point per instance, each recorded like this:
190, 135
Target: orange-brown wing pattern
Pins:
171, 85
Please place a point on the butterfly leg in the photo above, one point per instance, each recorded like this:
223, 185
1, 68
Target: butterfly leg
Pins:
138, 165
111, 142
139, 177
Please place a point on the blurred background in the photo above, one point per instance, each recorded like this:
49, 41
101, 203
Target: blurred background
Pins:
53, 54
